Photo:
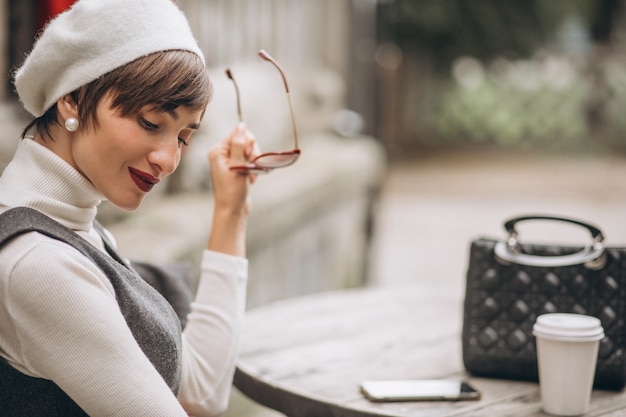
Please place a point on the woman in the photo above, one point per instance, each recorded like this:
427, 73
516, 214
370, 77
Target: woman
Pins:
117, 88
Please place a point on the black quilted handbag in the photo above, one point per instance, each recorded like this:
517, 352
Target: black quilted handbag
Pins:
510, 283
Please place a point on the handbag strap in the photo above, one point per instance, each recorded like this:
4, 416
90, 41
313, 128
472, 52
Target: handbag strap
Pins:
592, 255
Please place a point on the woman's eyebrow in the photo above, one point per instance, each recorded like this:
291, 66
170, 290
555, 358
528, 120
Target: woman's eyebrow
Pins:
174, 115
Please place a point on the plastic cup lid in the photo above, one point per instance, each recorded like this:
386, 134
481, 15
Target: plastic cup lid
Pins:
568, 327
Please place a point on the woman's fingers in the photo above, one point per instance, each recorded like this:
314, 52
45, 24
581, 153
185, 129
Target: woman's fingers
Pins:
243, 149
239, 145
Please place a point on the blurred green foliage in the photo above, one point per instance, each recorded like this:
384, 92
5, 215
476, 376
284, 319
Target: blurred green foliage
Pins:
510, 116
512, 73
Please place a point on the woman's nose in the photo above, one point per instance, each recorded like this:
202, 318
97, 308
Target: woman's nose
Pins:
165, 157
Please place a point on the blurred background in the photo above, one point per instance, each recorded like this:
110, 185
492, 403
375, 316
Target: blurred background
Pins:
422, 124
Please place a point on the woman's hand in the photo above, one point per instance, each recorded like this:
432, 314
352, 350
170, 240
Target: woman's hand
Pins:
230, 190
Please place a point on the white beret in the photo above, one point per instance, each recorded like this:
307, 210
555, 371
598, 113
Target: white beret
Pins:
93, 38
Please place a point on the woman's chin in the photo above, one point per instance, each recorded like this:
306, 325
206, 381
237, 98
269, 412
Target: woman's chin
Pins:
127, 205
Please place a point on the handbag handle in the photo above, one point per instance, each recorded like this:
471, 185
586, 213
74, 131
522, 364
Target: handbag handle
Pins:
592, 255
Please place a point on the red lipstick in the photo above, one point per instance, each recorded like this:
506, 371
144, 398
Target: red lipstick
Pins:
143, 180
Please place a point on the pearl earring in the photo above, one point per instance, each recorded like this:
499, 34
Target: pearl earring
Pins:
71, 124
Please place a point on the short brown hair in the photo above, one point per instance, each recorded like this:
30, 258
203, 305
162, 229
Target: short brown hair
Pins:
167, 80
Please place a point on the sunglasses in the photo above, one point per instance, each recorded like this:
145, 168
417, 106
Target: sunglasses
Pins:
268, 161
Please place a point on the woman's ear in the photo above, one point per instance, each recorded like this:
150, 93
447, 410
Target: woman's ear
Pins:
67, 107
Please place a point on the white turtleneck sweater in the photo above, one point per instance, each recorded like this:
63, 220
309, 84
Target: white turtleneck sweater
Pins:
59, 318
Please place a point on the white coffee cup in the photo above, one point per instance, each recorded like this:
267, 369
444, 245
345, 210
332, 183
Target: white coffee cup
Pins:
567, 353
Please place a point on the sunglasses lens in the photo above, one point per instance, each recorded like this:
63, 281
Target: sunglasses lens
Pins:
277, 160
250, 169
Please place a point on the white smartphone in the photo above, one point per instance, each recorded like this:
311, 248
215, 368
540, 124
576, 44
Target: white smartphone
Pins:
419, 390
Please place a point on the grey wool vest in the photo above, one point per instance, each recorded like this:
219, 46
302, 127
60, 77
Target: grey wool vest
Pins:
150, 317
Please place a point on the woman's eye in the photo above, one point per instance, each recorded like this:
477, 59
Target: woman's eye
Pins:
183, 142
148, 125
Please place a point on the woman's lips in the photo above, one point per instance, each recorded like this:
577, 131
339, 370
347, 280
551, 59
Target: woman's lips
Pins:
143, 180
